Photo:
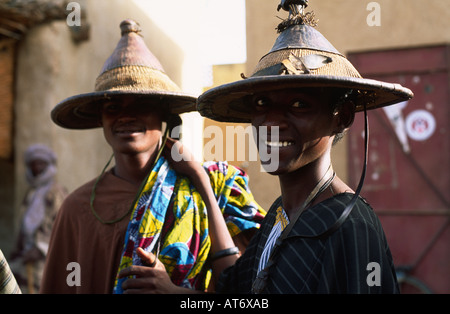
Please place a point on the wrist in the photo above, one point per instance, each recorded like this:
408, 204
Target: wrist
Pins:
224, 253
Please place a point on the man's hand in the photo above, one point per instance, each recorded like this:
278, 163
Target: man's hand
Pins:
181, 159
148, 279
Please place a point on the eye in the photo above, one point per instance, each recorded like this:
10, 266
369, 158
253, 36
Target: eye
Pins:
261, 103
298, 104
111, 108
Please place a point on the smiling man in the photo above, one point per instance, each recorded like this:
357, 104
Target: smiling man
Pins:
319, 236
192, 217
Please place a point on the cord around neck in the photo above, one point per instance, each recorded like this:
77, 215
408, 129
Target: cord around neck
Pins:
94, 188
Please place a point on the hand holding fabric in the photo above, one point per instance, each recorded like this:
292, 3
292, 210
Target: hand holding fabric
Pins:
148, 279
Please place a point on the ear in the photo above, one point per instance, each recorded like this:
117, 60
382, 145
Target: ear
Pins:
344, 115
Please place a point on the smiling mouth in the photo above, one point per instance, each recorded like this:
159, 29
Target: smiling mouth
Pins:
129, 130
279, 144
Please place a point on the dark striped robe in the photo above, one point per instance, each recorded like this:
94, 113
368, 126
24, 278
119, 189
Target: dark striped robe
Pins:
336, 264
8, 283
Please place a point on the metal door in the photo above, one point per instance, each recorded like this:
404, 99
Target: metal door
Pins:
408, 176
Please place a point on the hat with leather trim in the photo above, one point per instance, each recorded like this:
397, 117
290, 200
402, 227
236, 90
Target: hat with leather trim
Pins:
131, 70
301, 58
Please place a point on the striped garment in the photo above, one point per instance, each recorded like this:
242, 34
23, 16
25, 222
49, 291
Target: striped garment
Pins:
170, 217
8, 284
336, 264
281, 221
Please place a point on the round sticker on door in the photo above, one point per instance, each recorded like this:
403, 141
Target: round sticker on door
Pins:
420, 125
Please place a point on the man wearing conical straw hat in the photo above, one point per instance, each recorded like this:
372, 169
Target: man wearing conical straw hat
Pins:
147, 202
319, 236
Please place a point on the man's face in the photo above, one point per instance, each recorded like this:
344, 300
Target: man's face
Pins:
305, 124
130, 126
38, 166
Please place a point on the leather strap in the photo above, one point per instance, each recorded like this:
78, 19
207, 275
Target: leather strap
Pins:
321, 186
260, 281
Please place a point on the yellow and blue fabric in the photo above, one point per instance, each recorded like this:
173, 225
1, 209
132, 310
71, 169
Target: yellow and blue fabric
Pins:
170, 217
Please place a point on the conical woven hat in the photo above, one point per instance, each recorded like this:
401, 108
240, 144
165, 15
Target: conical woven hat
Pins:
131, 70
301, 58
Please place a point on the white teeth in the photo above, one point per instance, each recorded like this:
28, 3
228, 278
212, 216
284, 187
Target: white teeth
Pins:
278, 144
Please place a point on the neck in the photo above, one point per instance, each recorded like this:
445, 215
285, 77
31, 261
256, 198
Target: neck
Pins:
296, 186
134, 168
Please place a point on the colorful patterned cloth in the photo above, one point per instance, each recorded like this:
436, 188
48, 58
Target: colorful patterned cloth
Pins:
170, 213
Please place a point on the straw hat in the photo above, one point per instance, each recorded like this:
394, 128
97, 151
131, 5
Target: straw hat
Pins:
131, 70
301, 58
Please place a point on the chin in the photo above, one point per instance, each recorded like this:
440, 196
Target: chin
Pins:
129, 149
280, 168
272, 169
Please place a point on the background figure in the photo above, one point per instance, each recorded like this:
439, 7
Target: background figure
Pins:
39, 207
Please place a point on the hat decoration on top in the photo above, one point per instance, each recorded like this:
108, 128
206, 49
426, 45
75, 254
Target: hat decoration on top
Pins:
131, 69
301, 58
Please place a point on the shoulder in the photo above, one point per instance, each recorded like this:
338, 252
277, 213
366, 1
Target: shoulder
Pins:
335, 206
323, 217
362, 228
363, 216
82, 190
76, 199
222, 175
223, 167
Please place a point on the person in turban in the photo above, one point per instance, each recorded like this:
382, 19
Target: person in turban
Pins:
39, 207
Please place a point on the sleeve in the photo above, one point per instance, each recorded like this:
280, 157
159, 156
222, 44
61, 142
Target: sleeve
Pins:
238, 277
62, 251
358, 260
8, 283
230, 186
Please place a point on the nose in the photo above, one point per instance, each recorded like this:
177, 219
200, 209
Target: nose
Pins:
275, 116
126, 118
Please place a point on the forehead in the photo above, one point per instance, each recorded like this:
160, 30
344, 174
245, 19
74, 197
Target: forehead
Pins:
310, 95
38, 160
129, 100
133, 103
280, 93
